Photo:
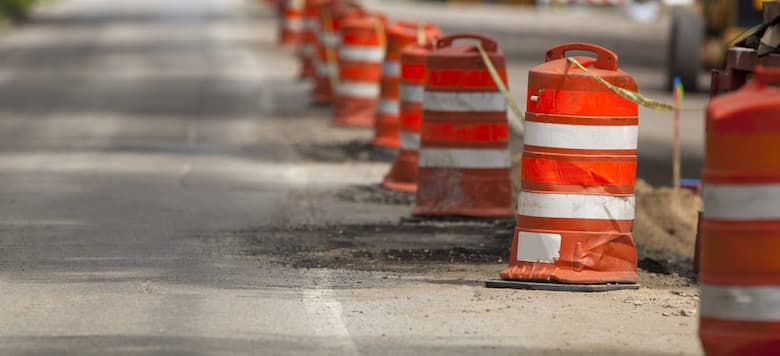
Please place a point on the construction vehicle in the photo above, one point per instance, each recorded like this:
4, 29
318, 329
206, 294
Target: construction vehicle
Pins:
699, 30
762, 47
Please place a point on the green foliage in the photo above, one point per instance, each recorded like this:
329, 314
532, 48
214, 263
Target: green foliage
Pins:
17, 10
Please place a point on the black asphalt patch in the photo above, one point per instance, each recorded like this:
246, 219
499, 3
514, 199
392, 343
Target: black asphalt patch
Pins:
356, 151
380, 247
375, 193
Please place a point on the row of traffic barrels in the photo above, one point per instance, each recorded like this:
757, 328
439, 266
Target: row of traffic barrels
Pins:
433, 97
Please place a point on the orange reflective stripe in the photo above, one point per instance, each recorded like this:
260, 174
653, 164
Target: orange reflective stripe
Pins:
744, 151
460, 79
740, 253
580, 171
390, 88
411, 117
358, 37
360, 71
749, 329
465, 133
576, 102
414, 73
756, 121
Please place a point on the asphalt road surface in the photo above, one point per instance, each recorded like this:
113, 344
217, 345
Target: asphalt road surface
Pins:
166, 189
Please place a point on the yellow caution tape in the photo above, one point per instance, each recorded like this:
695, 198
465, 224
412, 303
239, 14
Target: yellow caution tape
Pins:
421, 35
500, 84
631, 95
380, 32
330, 50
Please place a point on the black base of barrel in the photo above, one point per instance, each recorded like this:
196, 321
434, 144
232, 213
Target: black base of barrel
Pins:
559, 287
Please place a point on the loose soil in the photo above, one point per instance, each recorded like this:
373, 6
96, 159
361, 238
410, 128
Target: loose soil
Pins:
665, 227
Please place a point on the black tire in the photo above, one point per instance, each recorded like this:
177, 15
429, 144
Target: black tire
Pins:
686, 40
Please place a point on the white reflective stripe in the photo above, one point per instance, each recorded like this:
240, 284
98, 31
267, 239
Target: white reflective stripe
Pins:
464, 158
410, 141
412, 93
391, 69
463, 101
755, 303
329, 38
538, 247
362, 53
576, 206
585, 137
741, 202
389, 107
293, 24
358, 89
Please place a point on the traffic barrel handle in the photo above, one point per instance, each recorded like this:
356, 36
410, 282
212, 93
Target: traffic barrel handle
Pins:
408, 24
605, 59
419, 27
766, 75
487, 43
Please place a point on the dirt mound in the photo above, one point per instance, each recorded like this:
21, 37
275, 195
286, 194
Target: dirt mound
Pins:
665, 227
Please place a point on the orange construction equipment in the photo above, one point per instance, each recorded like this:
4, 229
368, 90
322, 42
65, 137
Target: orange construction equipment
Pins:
740, 232
464, 162
291, 29
399, 35
331, 16
360, 70
576, 203
403, 173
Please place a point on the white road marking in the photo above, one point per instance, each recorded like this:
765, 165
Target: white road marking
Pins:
326, 313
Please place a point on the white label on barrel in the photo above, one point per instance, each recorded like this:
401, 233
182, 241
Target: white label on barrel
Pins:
538, 247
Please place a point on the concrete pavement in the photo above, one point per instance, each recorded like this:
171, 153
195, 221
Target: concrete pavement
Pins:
160, 195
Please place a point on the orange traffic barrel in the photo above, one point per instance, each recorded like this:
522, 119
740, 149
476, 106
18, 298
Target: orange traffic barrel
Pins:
403, 173
740, 232
312, 35
399, 35
360, 70
311, 29
331, 16
464, 161
576, 203
292, 28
